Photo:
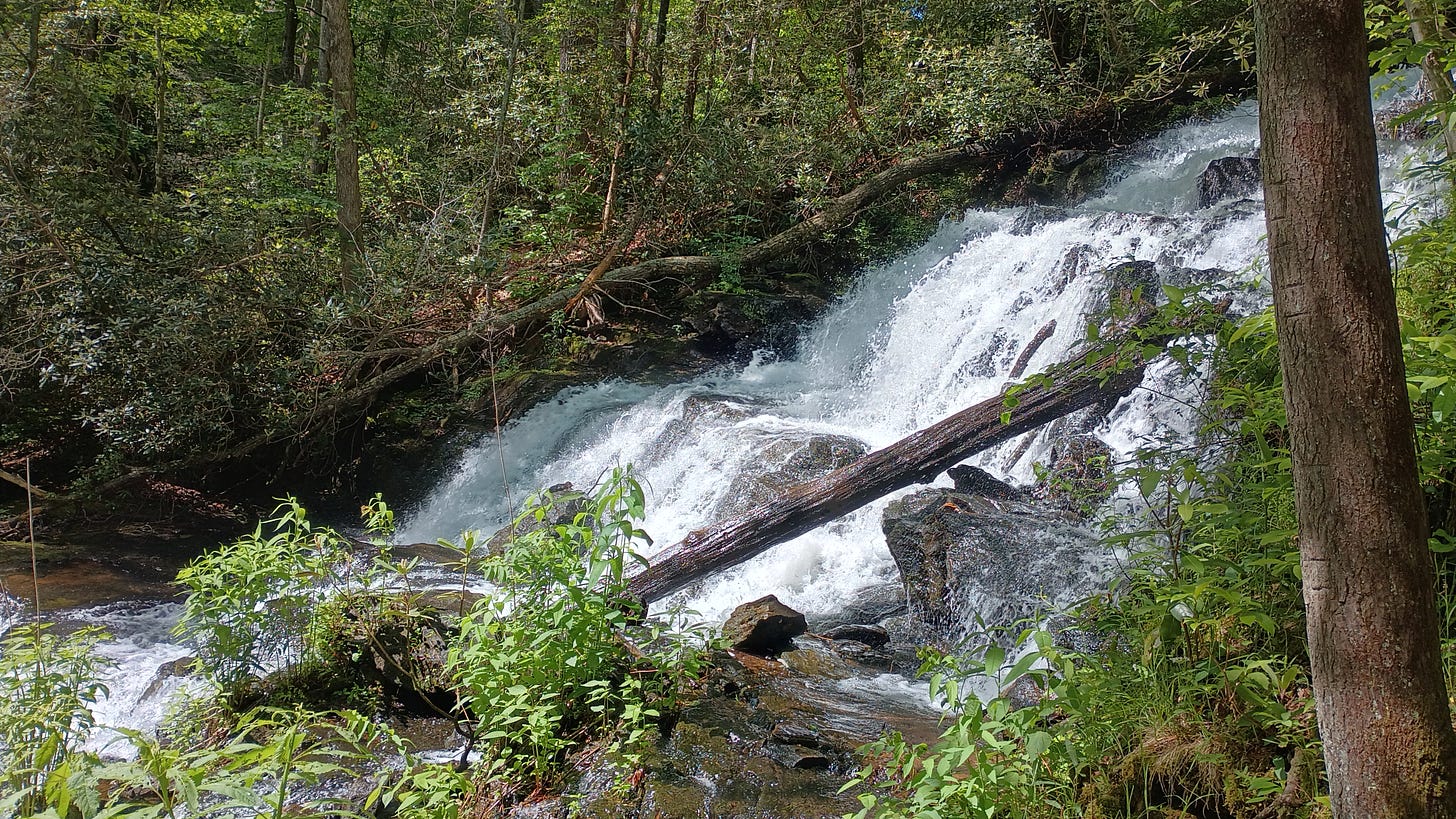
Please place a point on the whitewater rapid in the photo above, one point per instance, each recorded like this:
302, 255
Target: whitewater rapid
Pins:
916, 339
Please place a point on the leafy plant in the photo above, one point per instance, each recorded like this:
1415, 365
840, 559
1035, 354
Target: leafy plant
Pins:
249, 603
48, 684
562, 652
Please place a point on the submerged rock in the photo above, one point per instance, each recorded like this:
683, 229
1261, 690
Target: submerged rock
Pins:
871, 604
972, 480
564, 503
764, 627
783, 462
1228, 178
180, 667
872, 636
964, 558
762, 741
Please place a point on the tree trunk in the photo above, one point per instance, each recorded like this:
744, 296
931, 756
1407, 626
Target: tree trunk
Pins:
338, 43
1368, 578
1426, 28
625, 77
695, 62
289, 54
312, 54
917, 458
159, 111
659, 48
854, 51
32, 37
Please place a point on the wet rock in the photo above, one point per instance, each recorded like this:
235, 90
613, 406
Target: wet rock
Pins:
180, 667
709, 407
965, 557
1034, 216
700, 413
1138, 276
1228, 178
1023, 692
767, 745
971, 480
881, 658
783, 462
450, 604
817, 659
1194, 276
1065, 177
565, 503
1394, 120
764, 627
738, 325
989, 360
792, 733
1078, 479
401, 654
551, 808
797, 756
872, 636
870, 604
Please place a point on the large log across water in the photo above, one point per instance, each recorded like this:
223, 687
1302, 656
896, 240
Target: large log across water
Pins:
1072, 385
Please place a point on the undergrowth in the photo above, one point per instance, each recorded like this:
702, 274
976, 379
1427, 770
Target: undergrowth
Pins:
558, 658
1187, 690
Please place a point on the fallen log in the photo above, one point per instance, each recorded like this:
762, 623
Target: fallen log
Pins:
23, 484
414, 360
1079, 382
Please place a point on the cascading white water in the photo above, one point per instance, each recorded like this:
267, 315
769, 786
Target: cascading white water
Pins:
917, 339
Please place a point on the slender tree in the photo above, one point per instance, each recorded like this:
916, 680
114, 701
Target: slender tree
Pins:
338, 43
1368, 577
1429, 29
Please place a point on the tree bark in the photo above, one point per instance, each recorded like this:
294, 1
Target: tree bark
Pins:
917, 458
695, 63
659, 48
32, 38
854, 54
339, 47
288, 56
1368, 578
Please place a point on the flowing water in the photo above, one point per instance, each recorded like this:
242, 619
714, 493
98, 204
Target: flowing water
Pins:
917, 339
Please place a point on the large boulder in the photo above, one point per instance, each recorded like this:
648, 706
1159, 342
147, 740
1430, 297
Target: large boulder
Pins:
870, 604
783, 462
1228, 178
561, 504
973, 480
764, 627
965, 558
1065, 177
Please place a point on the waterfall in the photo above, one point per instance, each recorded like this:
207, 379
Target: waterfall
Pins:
917, 338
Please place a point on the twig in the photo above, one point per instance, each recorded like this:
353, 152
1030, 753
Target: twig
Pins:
34, 569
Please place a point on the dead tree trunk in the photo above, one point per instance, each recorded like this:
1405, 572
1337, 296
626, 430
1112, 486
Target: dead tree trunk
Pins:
917, 458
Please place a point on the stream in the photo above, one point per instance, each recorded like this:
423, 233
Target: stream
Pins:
915, 340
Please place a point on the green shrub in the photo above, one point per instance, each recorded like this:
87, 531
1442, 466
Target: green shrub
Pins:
563, 653
48, 684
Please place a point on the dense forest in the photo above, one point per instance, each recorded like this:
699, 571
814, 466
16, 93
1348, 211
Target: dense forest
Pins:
363, 199
254, 249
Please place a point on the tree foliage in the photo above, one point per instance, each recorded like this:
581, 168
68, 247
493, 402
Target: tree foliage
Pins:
167, 194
